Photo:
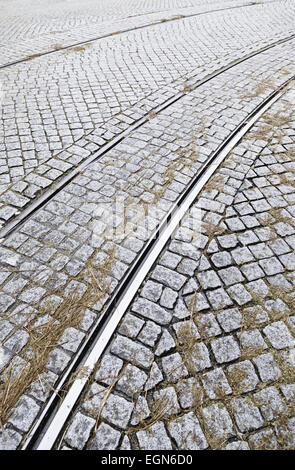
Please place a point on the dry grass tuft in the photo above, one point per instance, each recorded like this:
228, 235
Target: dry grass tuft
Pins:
158, 411
236, 377
216, 182
279, 217
187, 88
212, 230
42, 340
80, 48
185, 159
273, 123
34, 56
260, 88
57, 46
152, 115
177, 17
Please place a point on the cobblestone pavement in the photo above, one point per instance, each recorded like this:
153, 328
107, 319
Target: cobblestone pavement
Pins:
205, 357
60, 108
60, 267
38, 27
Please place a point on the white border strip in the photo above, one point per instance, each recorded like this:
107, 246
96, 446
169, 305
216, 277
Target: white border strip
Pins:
48, 440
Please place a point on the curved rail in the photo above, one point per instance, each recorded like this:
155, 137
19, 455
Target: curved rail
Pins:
50, 424
66, 179
126, 30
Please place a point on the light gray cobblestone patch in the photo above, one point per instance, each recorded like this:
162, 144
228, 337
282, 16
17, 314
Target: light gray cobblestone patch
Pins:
131, 326
37, 20
225, 349
132, 381
79, 431
270, 403
154, 438
169, 397
152, 311
215, 383
252, 339
25, 413
150, 333
247, 415
248, 330
174, 367
279, 335
141, 411
189, 392
230, 319
237, 445
9, 439
165, 344
152, 291
169, 278
267, 367
127, 349
218, 422
109, 368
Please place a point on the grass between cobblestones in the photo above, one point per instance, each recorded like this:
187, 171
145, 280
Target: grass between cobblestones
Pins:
185, 344
186, 339
45, 337
45, 334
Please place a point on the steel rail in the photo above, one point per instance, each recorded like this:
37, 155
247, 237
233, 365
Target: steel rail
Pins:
127, 30
66, 179
51, 422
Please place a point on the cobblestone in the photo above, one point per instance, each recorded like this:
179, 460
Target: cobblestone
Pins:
218, 422
188, 433
247, 415
24, 414
155, 438
267, 367
79, 431
279, 335
107, 438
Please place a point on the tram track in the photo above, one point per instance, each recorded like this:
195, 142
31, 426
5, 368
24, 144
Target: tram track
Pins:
67, 178
126, 30
51, 422
41, 435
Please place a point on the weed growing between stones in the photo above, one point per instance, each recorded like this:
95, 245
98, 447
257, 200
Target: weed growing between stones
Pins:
152, 115
57, 46
216, 182
261, 87
185, 342
81, 48
33, 56
45, 337
158, 410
